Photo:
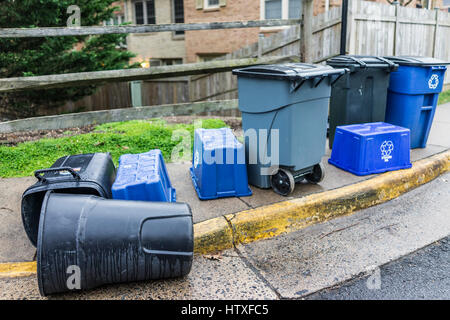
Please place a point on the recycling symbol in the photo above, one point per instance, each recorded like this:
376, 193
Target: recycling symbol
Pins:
386, 149
196, 159
433, 82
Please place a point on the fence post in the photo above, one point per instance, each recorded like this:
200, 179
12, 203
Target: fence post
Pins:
397, 23
344, 18
436, 26
136, 93
351, 27
306, 31
260, 44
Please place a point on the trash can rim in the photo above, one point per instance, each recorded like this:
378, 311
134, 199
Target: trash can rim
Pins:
361, 61
371, 127
291, 71
417, 61
54, 187
39, 241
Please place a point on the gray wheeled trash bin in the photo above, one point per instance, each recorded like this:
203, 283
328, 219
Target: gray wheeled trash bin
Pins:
359, 96
291, 99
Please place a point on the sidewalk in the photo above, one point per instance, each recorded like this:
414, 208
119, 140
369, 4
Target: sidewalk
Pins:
294, 265
15, 247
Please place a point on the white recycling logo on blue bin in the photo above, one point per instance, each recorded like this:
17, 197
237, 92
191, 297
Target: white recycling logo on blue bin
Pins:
196, 159
386, 149
433, 82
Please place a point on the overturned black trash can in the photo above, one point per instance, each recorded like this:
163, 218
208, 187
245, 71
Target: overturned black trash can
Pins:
91, 174
86, 241
359, 96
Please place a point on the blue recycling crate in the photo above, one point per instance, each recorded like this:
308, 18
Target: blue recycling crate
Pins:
143, 177
370, 148
218, 165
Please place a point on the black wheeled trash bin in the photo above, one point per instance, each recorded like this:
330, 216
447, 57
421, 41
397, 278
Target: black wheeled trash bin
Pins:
359, 96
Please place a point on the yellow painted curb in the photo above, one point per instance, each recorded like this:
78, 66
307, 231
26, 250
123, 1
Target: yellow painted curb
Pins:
287, 216
212, 235
17, 269
269, 221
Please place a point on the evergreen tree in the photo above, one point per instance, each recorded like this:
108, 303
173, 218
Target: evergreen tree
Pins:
54, 55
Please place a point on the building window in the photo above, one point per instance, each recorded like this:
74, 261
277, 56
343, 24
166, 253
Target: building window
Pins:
144, 12
281, 9
211, 4
165, 62
205, 57
117, 20
295, 9
273, 9
178, 14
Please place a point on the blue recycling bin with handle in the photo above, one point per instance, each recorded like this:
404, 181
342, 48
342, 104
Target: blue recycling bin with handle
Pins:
413, 93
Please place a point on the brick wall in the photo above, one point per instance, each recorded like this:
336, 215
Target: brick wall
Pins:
155, 45
211, 42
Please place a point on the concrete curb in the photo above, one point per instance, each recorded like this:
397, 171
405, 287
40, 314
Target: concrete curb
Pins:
287, 216
17, 269
272, 220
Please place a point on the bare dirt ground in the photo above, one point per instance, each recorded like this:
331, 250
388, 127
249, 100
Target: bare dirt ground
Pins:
24, 136
11, 139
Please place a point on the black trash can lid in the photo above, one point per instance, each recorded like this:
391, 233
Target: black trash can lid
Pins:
289, 71
357, 61
417, 61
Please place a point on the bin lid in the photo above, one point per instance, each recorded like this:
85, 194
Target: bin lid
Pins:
417, 61
289, 71
358, 61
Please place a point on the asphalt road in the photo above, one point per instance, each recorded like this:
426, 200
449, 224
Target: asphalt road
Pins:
424, 274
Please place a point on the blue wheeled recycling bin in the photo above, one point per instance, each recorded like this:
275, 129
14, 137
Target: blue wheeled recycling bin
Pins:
284, 117
218, 165
413, 94
370, 148
143, 177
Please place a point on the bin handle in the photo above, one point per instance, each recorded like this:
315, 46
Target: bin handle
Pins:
361, 63
390, 63
316, 83
332, 81
296, 85
38, 173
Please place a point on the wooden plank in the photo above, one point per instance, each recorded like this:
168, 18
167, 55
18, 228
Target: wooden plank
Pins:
436, 27
327, 25
396, 30
84, 78
98, 117
93, 30
307, 32
362, 17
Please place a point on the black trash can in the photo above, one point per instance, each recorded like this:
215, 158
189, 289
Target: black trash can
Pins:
86, 241
360, 95
91, 174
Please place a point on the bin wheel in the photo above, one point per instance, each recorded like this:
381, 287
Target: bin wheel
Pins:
282, 182
317, 174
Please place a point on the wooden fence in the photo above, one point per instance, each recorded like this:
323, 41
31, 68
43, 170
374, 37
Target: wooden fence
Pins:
378, 29
373, 29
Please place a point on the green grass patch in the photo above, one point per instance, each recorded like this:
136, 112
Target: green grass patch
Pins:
117, 138
444, 97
